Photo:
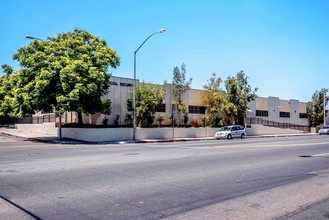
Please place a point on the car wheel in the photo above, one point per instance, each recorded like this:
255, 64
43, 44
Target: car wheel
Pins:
229, 136
242, 136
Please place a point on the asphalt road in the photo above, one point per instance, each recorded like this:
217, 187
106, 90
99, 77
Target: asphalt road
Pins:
151, 181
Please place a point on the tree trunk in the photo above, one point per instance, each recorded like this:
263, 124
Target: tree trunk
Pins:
232, 121
241, 120
79, 118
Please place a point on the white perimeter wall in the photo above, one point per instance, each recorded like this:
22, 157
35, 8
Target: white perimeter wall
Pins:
44, 129
97, 134
265, 130
117, 134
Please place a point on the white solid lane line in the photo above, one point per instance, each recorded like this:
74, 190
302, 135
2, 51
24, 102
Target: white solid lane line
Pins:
320, 155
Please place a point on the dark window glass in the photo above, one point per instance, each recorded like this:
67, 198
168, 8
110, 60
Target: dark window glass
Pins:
285, 114
161, 108
261, 113
303, 115
196, 109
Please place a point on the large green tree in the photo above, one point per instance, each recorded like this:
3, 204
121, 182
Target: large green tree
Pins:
6, 85
148, 97
238, 94
180, 86
315, 110
67, 72
213, 99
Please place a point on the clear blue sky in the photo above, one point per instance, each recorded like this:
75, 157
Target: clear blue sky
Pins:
282, 45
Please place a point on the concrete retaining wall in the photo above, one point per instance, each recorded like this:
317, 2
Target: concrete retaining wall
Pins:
257, 129
110, 134
44, 129
98, 134
167, 133
116, 134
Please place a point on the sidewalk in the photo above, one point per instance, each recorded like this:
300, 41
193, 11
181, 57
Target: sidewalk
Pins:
55, 140
37, 137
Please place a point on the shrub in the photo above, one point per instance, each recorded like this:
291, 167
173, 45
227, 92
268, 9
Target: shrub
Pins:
129, 120
194, 122
116, 120
185, 119
170, 119
105, 120
160, 119
204, 120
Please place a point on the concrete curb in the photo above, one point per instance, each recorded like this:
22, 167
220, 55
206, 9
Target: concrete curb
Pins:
175, 140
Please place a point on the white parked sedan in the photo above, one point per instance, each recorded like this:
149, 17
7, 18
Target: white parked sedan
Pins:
230, 132
324, 130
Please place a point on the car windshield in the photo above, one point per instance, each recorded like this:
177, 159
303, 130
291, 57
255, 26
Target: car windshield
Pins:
225, 129
325, 127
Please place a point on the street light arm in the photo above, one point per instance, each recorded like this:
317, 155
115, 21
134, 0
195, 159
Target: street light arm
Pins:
160, 31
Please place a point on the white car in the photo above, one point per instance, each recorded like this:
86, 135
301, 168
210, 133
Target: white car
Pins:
229, 132
324, 130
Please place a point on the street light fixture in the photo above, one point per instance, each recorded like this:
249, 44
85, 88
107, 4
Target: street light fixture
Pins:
134, 93
60, 117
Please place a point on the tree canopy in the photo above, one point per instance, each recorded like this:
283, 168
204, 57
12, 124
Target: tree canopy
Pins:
180, 86
148, 97
213, 99
63, 73
238, 94
315, 109
6, 91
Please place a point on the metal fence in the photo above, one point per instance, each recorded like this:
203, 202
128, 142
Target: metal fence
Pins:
43, 119
276, 124
40, 119
25, 120
35, 119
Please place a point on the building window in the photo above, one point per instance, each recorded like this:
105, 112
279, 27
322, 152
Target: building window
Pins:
285, 114
196, 109
161, 108
261, 113
303, 115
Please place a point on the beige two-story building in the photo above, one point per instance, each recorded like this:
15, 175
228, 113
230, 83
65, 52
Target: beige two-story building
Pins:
270, 111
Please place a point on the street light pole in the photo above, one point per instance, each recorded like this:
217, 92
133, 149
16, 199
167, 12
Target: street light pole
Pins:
324, 107
60, 117
134, 93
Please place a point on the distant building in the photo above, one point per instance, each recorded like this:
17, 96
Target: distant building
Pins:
275, 112
268, 111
